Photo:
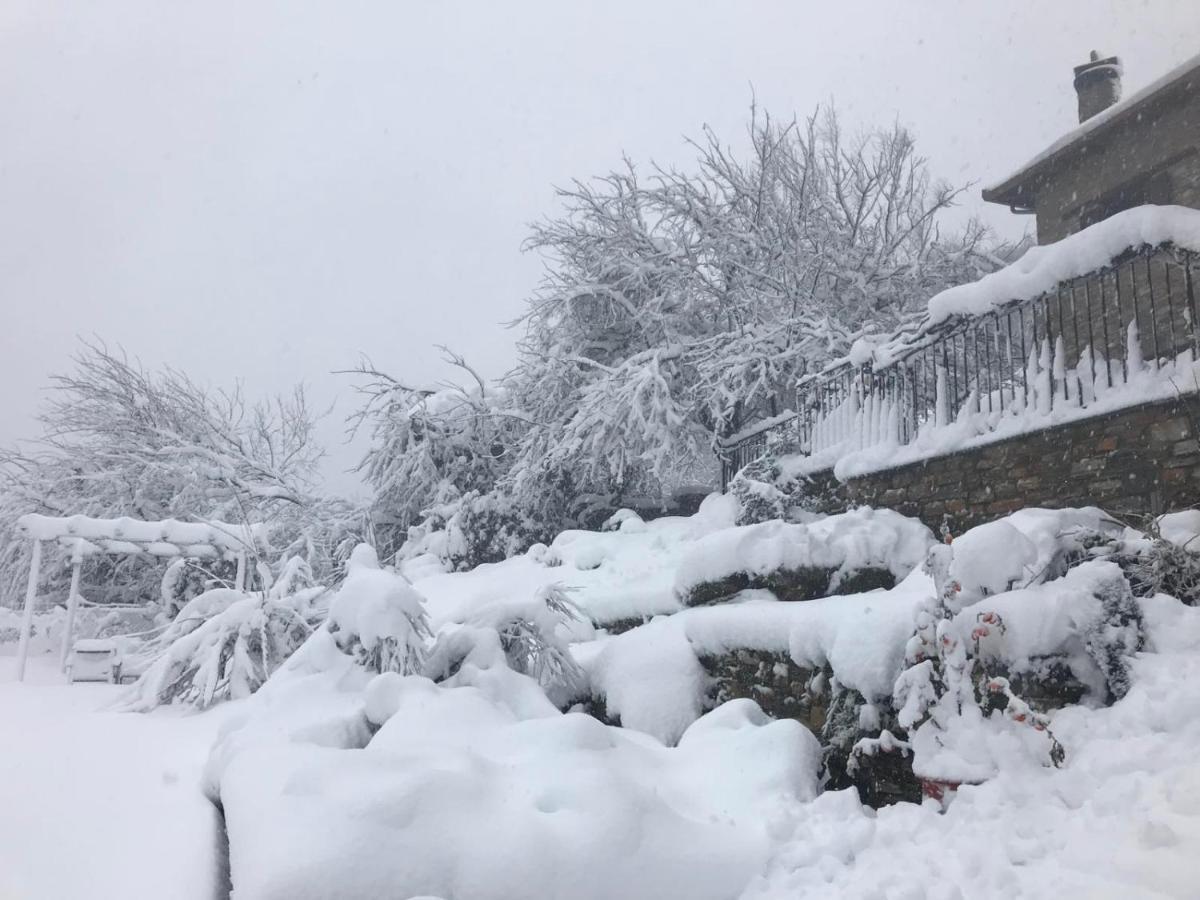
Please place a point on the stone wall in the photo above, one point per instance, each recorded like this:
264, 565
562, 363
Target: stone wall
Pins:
1137, 461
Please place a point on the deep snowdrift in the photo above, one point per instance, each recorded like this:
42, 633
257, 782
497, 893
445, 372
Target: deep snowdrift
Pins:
479, 787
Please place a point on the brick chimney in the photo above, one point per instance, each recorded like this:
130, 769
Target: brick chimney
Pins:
1098, 84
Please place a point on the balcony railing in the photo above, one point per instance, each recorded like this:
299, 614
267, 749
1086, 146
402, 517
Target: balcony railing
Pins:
1093, 342
738, 451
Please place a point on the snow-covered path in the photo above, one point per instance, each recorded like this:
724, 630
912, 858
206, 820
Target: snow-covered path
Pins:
99, 804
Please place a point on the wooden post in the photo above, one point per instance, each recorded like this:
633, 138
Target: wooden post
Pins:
35, 565
72, 605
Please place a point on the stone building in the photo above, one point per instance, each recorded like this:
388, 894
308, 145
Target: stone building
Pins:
1125, 153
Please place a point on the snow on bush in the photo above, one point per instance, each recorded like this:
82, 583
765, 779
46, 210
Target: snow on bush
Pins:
1165, 558
535, 638
951, 737
1088, 616
226, 657
223, 644
183, 581
827, 551
626, 574
1027, 547
651, 678
377, 617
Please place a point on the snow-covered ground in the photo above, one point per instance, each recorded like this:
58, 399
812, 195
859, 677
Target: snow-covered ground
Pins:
1121, 819
463, 780
99, 804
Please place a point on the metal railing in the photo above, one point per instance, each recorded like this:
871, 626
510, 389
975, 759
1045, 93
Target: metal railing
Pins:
1069, 346
738, 451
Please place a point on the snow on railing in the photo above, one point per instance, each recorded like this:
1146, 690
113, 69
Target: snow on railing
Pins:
167, 538
742, 448
1120, 334
1101, 320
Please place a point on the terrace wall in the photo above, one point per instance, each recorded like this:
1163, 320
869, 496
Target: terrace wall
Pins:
1137, 461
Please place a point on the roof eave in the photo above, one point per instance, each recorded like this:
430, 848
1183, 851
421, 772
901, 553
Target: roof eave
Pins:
1177, 82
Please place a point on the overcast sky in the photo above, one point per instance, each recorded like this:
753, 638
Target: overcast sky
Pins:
265, 191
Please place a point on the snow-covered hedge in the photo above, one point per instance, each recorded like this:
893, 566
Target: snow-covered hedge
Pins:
1077, 623
856, 550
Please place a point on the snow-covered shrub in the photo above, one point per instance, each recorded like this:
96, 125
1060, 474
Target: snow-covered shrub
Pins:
1116, 635
488, 528
479, 788
377, 617
470, 531
1165, 558
195, 613
617, 521
950, 737
296, 587
227, 656
758, 501
534, 636
534, 645
184, 580
1026, 548
846, 553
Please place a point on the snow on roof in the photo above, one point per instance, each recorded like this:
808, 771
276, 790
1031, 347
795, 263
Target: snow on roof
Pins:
125, 535
1096, 122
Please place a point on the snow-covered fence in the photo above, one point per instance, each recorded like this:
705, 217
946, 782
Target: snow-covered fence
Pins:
1085, 343
741, 449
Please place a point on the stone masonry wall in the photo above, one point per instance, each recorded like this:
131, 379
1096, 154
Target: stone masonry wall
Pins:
1137, 461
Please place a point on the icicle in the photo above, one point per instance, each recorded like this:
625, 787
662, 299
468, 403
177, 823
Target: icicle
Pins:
1133, 349
1084, 372
1060, 367
942, 399
1043, 380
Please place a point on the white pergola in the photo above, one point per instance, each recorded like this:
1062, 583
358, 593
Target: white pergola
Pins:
168, 539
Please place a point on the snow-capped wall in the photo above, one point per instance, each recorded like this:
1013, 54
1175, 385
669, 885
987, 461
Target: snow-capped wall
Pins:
1142, 460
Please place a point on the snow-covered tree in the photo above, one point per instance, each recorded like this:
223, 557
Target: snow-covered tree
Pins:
677, 306
430, 446
121, 440
685, 304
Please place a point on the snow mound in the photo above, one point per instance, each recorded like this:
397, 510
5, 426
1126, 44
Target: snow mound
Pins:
460, 794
